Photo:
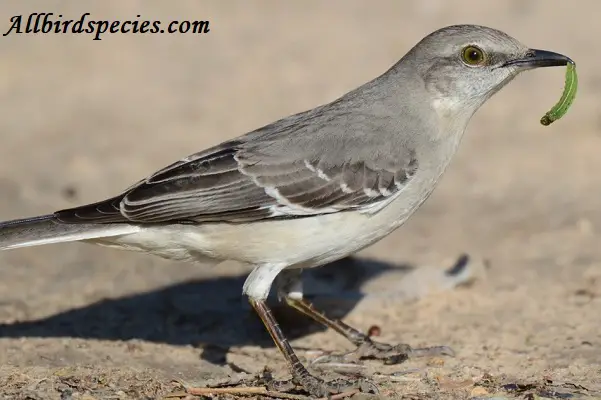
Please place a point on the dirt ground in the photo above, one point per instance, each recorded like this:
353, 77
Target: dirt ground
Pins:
81, 120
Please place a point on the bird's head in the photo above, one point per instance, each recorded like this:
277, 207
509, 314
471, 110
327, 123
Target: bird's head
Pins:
462, 66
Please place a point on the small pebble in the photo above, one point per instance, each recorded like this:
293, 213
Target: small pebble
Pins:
374, 330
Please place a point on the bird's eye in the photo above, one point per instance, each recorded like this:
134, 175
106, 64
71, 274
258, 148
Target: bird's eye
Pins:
473, 56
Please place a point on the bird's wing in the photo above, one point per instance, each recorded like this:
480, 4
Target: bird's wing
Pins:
263, 176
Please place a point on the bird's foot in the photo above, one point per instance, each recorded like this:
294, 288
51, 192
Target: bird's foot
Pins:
319, 388
389, 354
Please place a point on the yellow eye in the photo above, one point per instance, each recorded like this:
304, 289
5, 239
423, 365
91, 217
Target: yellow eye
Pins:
473, 56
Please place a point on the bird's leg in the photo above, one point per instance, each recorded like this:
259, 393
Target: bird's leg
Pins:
366, 347
315, 386
291, 291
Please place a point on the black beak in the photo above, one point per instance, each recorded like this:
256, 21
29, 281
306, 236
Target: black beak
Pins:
539, 58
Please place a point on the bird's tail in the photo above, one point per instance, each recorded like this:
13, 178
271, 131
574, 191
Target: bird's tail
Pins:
46, 229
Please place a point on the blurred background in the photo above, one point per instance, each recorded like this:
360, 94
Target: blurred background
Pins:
80, 120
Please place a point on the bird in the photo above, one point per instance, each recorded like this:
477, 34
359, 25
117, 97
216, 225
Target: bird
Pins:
310, 188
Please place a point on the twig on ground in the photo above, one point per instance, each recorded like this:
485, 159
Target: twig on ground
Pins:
249, 391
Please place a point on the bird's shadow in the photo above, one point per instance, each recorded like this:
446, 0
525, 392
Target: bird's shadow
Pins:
209, 313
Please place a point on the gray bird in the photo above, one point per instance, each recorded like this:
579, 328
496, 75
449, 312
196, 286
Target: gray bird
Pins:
310, 188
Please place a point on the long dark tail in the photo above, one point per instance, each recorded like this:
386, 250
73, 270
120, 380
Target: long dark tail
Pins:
46, 229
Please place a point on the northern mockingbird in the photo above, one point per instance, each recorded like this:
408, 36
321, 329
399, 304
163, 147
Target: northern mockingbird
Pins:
310, 188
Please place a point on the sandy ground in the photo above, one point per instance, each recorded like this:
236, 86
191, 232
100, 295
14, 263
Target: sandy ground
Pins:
83, 119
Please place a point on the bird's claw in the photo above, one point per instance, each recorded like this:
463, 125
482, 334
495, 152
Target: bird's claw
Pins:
315, 386
318, 387
389, 354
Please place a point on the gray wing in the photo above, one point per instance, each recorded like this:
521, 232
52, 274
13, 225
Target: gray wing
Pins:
275, 172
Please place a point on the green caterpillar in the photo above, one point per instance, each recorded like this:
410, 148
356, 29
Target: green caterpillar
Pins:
567, 98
